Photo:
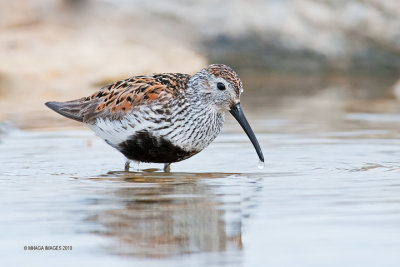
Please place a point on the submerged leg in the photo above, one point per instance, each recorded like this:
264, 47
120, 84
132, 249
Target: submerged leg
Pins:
167, 167
127, 165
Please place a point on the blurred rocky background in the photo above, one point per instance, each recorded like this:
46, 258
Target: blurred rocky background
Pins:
64, 49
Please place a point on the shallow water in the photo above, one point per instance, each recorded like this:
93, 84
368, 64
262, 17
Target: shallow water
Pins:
329, 194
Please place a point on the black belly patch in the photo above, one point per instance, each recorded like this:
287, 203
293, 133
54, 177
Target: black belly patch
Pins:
145, 147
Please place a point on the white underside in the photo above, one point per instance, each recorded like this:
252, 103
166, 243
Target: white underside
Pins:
118, 131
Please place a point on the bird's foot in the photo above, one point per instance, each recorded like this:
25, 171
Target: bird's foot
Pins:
127, 165
167, 167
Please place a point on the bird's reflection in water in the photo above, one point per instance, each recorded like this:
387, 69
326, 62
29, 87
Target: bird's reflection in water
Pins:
168, 214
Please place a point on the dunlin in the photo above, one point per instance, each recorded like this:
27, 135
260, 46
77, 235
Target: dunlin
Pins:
162, 118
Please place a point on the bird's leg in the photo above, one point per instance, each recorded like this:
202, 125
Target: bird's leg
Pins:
127, 165
167, 167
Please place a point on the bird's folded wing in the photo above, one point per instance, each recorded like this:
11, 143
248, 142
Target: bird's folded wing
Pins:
115, 100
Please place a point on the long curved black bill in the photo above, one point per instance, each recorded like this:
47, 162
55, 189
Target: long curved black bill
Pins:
237, 112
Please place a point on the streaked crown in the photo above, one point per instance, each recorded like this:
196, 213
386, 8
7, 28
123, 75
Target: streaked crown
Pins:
225, 72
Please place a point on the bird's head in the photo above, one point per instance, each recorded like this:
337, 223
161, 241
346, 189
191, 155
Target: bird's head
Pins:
219, 88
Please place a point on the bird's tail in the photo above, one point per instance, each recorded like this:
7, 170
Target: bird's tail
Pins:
71, 109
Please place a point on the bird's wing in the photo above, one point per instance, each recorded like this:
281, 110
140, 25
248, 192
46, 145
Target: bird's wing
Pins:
114, 100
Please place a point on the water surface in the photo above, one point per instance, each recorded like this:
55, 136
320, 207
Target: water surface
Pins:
329, 194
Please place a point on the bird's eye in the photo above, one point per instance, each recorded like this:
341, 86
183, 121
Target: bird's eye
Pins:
221, 86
